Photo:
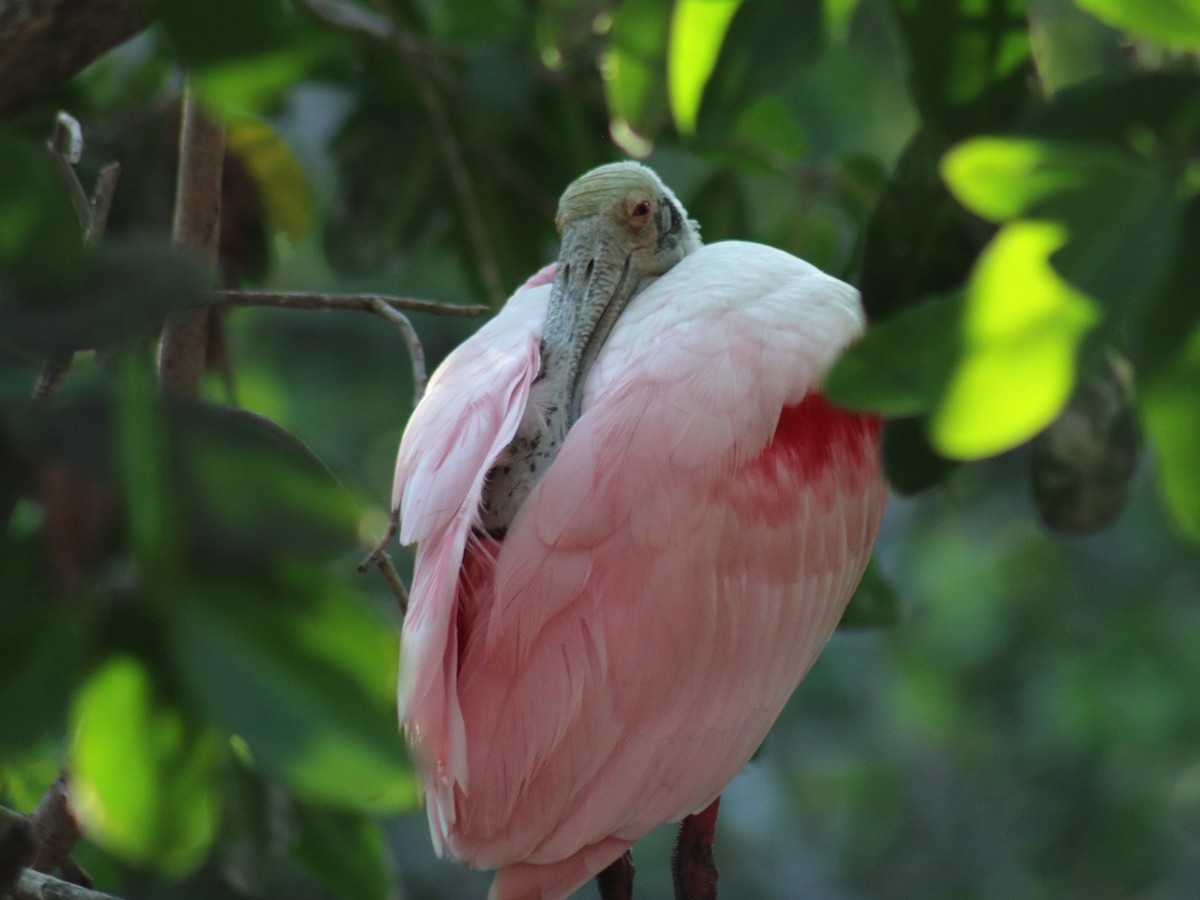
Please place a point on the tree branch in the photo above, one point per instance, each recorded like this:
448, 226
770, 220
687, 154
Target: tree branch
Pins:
197, 224
38, 886
358, 302
45, 43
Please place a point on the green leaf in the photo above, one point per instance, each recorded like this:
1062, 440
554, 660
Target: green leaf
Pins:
1174, 24
1170, 406
1021, 328
768, 125
910, 463
838, 15
346, 853
143, 773
969, 60
43, 653
697, 29
251, 491
633, 66
41, 242
900, 367
306, 681
874, 604
122, 296
1002, 178
204, 33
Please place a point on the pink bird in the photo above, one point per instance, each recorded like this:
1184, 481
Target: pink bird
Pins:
637, 522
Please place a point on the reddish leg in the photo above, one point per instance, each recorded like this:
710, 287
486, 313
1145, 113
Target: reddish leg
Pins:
616, 882
692, 862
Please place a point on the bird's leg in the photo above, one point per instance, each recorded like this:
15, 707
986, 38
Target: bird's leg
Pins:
692, 862
616, 882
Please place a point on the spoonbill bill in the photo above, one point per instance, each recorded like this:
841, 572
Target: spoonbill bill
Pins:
637, 522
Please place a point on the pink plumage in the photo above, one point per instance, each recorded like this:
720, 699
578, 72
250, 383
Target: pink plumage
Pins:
618, 656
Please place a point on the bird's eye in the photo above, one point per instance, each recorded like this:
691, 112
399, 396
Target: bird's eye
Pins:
642, 210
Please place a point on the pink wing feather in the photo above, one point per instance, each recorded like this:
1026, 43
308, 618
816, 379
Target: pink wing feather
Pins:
618, 659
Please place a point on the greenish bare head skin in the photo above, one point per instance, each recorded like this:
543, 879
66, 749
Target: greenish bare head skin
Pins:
620, 227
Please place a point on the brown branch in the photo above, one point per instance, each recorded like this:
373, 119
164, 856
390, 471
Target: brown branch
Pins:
66, 148
55, 830
197, 224
45, 43
416, 353
378, 557
358, 302
38, 886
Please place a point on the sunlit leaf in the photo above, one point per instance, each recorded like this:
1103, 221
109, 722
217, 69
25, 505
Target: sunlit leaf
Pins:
306, 682
633, 67
1001, 178
837, 14
346, 852
1022, 325
697, 29
143, 774
253, 84
280, 177
900, 367
1172, 23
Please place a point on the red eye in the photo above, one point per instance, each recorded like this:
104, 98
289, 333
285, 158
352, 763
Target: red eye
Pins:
641, 211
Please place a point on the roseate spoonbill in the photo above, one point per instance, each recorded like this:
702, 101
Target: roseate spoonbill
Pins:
637, 523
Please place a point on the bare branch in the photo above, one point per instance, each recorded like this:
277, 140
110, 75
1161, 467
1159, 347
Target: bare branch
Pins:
66, 148
55, 830
358, 302
197, 224
44, 43
37, 886
416, 353
379, 558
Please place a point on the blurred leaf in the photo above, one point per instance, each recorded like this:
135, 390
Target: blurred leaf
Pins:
1001, 178
217, 30
43, 653
901, 366
919, 240
767, 125
633, 66
1070, 47
251, 85
257, 826
251, 492
1172, 23
970, 61
874, 603
123, 296
1083, 463
910, 463
346, 853
838, 15
1021, 327
41, 242
1171, 407
697, 30
305, 681
143, 773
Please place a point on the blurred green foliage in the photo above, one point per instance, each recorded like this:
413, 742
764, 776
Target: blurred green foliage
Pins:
1014, 187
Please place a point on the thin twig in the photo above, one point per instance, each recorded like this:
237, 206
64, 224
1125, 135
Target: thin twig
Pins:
378, 557
102, 197
416, 352
359, 302
380, 548
197, 224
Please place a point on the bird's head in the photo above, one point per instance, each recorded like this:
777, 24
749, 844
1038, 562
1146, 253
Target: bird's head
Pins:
620, 227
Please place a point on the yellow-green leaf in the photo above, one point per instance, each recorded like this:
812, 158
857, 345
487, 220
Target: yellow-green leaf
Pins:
1000, 178
1172, 23
697, 30
1021, 329
279, 175
143, 774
